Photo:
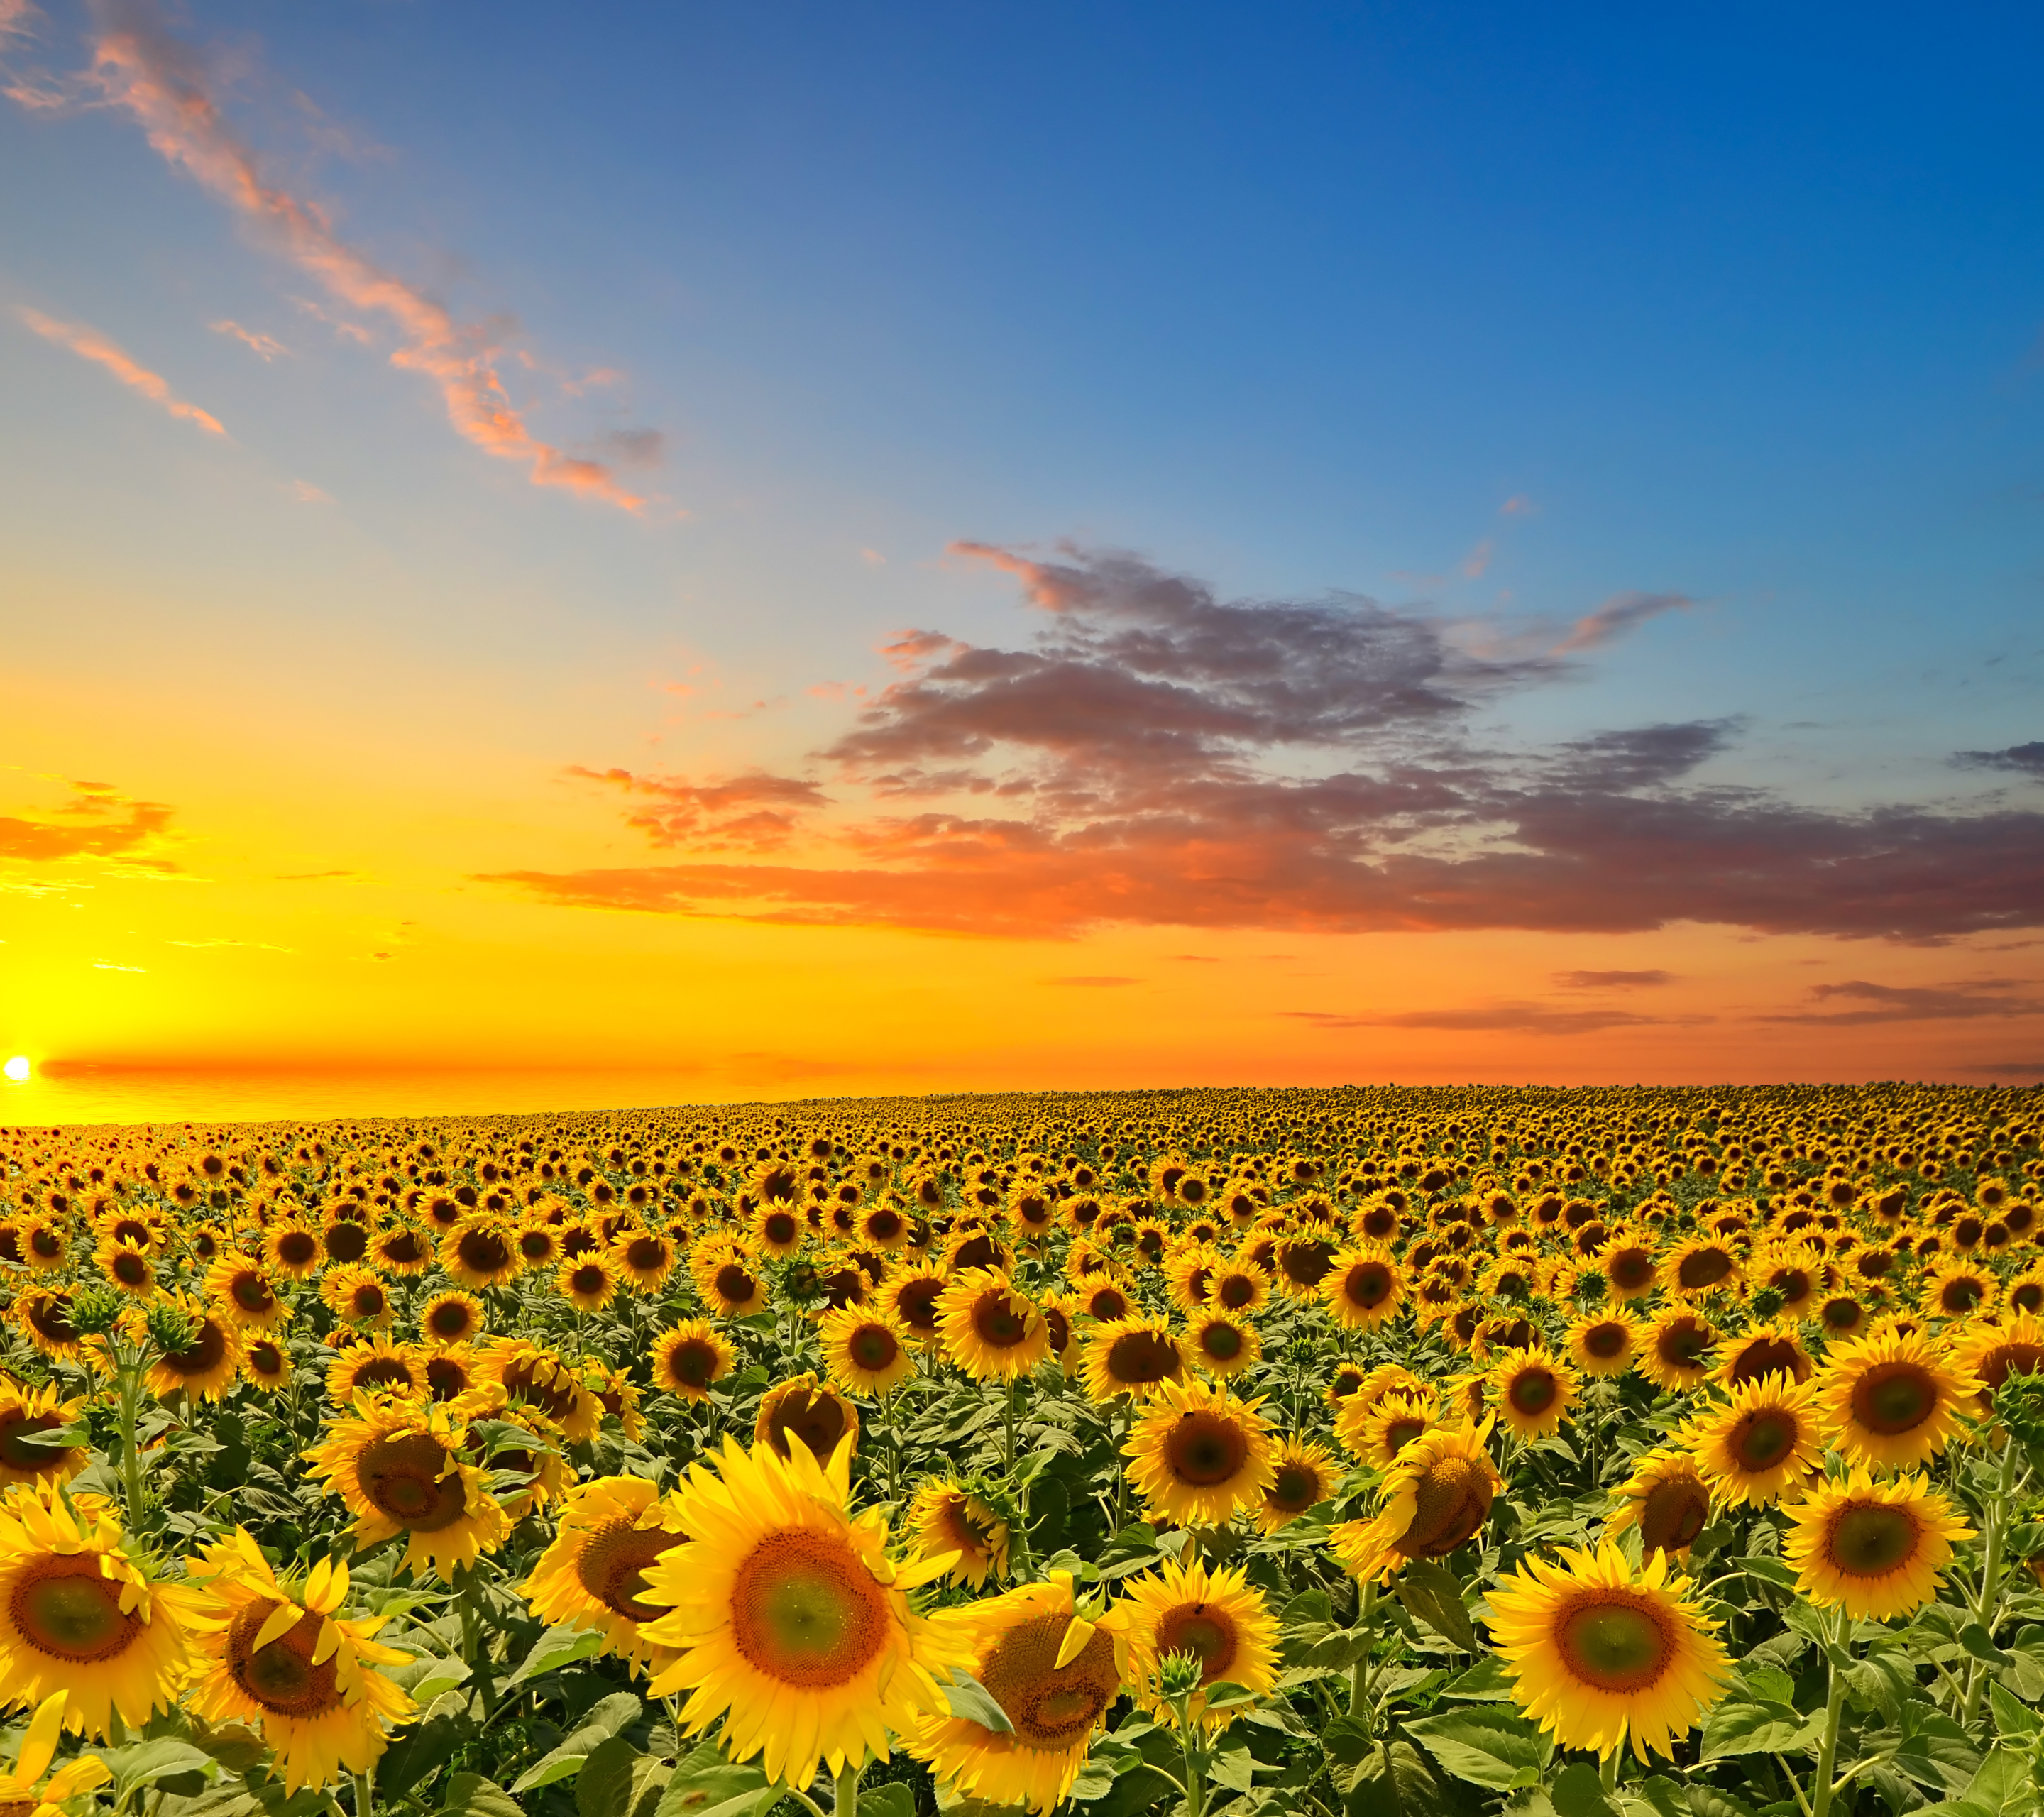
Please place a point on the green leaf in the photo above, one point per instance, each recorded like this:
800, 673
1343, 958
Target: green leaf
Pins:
1398, 1780
1233, 1766
971, 1699
1431, 1595
557, 1647
470, 1795
1483, 1746
1768, 1684
1576, 1792
1738, 1726
1223, 1695
2004, 1775
148, 1763
706, 1784
1935, 1752
1711, 1801
426, 1746
1979, 1643
1767, 1570
1136, 1788
893, 1799
2011, 1716
606, 1719
1488, 1681
606, 1785
1311, 1638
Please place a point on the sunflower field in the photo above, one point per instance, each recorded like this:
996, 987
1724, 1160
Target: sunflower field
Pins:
1384, 1452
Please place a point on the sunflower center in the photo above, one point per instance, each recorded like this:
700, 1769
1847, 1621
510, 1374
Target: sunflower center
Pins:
1672, 1513
996, 1323
1199, 1627
1961, 1294
1767, 1356
588, 1279
613, 1562
522, 1379
1763, 1438
1533, 1391
346, 1242
16, 1454
1137, 1358
1449, 1502
1221, 1342
873, 1347
265, 1358
450, 1320
1631, 1269
806, 1611
282, 1676
735, 1284
1604, 1341
1295, 1488
384, 1372
2005, 1360
915, 1305
483, 1252
297, 1248
1368, 1283
1870, 1539
1206, 1448
251, 1293
446, 1377
1704, 1269
1614, 1645
1894, 1397
1052, 1708
206, 1353
64, 1608
402, 1476
1235, 1292
1108, 1304
646, 1253
1683, 1342
693, 1362
131, 1270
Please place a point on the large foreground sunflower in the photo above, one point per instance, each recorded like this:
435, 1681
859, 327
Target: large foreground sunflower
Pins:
1221, 1617
1199, 1454
1432, 1499
1876, 1548
1892, 1401
21, 1795
1598, 1649
402, 1468
1053, 1674
287, 1661
612, 1532
791, 1623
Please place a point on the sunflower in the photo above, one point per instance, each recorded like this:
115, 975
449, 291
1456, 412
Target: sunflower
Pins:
1877, 1548
538, 1377
644, 1257
1631, 1268
285, 1660
1602, 1343
357, 1295
1303, 1475
991, 1329
911, 1297
1994, 1353
947, 1521
589, 1283
1223, 1345
79, 1613
1104, 1300
1676, 1354
127, 1266
1054, 1673
731, 1282
1378, 1432
1666, 1497
266, 1363
1188, 1274
242, 1288
400, 1469
452, 1317
1891, 1402
1957, 1290
1133, 1357
1240, 1286
812, 1411
689, 1357
611, 1533
1220, 1618
541, 1246
1794, 1270
1769, 1349
20, 1795
789, 1621
1598, 1649
1703, 1264
1364, 1287
1197, 1454
1762, 1444
1533, 1391
481, 1250
206, 1368
866, 1352
377, 1367
26, 1415
779, 1228
42, 1242
291, 1250
1432, 1500
44, 1316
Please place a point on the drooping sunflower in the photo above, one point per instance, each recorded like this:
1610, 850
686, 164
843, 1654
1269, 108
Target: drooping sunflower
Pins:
1666, 1497
865, 1351
689, 1357
1992, 1353
1220, 1617
1303, 1475
812, 1411
1533, 1391
1676, 1355
1054, 1676
589, 1283
1763, 1443
612, 1531
79, 1613
481, 1250
287, 1661
945, 1520
1132, 1357
1198, 1454
991, 1329
1600, 1649
1363, 1287
377, 1367
25, 1415
206, 1368
453, 1317
1603, 1343
541, 1378
790, 1622
1222, 1344
402, 1468
1432, 1499
1891, 1402
1876, 1547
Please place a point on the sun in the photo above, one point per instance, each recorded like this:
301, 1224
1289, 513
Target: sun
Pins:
16, 1068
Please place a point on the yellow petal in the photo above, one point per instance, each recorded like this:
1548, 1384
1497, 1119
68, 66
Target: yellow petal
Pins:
283, 1617
1077, 1634
39, 1746
329, 1640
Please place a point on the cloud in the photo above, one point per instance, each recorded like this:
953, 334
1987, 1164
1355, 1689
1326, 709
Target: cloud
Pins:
1478, 559
634, 447
755, 811
15, 19
1985, 997
261, 345
1496, 1018
2028, 759
90, 343
1157, 755
307, 494
137, 66
97, 822
1611, 981
1085, 981
1624, 613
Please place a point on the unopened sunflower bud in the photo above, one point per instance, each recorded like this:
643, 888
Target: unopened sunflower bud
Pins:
1178, 1674
94, 1308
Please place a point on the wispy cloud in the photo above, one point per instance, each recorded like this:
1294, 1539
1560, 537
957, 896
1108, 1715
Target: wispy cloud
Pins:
138, 67
1496, 1018
90, 343
1092, 980
1627, 612
1966, 1002
1611, 981
261, 345
2025, 759
97, 822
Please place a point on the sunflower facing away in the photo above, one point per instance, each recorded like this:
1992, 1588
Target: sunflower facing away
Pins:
1220, 1617
1599, 1651
612, 1531
1432, 1500
285, 1659
805, 1409
1198, 1455
1891, 1401
1762, 1443
1666, 1497
946, 1518
400, 1469
1875, 1548
1054, 1675
790, 1621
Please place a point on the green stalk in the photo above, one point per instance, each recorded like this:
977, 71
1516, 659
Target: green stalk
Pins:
848, 1789
1834, 1707
1011, 1426
365, 1795
1358, 1695
131, 1456
1996, 1520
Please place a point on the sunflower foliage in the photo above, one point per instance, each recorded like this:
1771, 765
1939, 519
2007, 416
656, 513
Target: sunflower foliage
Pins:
1384, 1452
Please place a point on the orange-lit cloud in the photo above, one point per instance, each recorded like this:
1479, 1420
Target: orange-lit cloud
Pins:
90, 343
138, 67
1616, 617
262, 345
97, 822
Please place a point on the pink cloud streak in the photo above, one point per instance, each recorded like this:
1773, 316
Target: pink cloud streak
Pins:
157, 81
90, 343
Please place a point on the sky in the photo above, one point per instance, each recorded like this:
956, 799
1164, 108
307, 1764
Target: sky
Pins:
668, 553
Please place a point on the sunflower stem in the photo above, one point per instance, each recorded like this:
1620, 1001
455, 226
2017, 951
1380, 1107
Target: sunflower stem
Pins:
1011, 1426
847, 1787
365, 1795
1996, 1520
131, 1455
1834, 1707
